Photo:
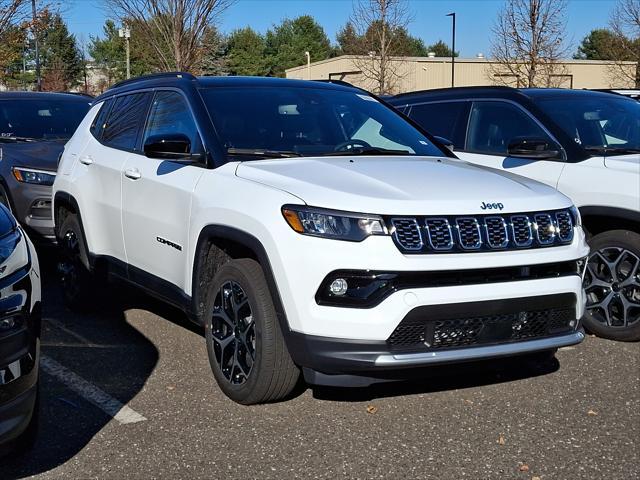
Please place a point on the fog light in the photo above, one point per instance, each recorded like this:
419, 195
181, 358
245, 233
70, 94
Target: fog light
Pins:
7, 323
338, 287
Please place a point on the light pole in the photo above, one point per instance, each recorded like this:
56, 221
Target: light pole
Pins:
35, 36
453, 49
308, 55
126, 34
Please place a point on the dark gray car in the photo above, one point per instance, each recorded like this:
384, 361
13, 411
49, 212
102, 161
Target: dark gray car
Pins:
34, 127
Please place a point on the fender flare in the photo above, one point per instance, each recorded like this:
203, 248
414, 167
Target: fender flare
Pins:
64, 197
612, 212
250, 242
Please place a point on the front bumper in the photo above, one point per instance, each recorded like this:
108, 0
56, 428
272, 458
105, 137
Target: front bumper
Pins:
31, 205
19, 347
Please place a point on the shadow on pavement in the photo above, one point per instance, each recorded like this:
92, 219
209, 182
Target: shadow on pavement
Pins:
100, 347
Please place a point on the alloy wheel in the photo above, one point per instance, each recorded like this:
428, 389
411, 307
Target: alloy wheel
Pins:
70, 264
234, 333
612, 286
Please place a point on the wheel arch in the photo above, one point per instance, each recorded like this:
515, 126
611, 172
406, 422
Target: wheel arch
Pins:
218, 244
66, 201
599, 219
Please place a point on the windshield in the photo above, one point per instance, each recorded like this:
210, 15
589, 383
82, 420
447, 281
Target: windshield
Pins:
598, 124
280, 122
37, 119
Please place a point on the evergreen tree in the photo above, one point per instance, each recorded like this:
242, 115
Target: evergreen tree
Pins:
597, 45
214, 48
246, 53
60, 57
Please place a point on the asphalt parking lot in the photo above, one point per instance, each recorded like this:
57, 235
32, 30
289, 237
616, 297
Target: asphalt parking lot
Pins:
577, 417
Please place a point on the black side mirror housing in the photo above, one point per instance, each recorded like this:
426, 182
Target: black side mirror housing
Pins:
174, 146
532, 148
445, 141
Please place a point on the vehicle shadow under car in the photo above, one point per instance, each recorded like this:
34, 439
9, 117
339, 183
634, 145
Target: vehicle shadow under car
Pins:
102, 347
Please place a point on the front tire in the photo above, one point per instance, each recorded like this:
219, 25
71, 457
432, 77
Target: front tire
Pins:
612, 286
75, 277
247, 351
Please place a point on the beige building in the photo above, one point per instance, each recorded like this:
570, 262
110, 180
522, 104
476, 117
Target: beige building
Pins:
421, 73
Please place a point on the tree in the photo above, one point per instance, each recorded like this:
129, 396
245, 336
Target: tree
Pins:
9, 10
528, 43
61, 60
246, 53
441, 49
596, 45
625, 24
381, 26
108, 52
214, 61
287, 43
349, 42
13, 41
173, 29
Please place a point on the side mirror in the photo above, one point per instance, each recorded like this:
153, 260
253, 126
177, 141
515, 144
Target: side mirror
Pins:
174, 146
445, 141
532, 148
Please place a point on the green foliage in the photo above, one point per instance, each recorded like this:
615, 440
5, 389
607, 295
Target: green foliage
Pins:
108, 53
246, 53
441, 49
12, 45
596, 45
60, 57
287, 43
214, 61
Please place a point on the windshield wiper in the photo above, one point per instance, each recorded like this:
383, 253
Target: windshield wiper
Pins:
366, 151
14, 139
262, 153
612, 150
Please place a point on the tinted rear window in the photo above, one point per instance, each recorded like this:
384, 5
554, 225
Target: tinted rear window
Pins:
446, 119
41, 118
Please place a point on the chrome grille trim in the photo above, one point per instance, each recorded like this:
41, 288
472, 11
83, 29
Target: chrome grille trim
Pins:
469, 234
522, 231
496, 227
407, 233
564, 224
459, 234
545, 228
439, 233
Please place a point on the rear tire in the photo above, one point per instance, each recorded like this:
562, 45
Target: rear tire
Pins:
75, 277
247, 351
612, 286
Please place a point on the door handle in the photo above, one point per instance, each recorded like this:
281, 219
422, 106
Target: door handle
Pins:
132, 173
86, 160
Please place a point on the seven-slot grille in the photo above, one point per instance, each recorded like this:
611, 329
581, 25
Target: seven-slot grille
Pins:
482, 232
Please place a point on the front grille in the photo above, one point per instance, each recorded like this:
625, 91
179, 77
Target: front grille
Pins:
469, 233
482, 232
407, 233
419, 334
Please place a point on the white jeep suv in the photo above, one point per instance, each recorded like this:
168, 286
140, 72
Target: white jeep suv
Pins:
309, 227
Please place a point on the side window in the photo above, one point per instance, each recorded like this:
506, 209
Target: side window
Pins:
443, 119
493, 125
100, 121
170, 115
125, 121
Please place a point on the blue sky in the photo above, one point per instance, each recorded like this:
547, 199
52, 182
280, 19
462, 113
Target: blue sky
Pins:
474, 18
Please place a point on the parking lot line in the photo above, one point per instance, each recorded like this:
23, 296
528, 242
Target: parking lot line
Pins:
98, 397
75, 335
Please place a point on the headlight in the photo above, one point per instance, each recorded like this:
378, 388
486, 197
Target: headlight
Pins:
30, 175
575, 213
14, 252
334, 224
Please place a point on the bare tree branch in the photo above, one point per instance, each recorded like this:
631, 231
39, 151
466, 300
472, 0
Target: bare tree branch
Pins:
625, 24
9, 11
173, 28
377, 23
528, 43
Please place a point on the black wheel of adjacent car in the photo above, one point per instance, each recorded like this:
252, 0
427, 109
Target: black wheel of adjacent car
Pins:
246, 348
612, 286
75, 277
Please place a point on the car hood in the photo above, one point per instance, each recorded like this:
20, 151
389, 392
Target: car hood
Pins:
39, 154
401, 185
625, 163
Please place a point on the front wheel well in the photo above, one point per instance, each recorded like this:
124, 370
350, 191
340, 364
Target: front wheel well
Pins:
62, 206
595, 224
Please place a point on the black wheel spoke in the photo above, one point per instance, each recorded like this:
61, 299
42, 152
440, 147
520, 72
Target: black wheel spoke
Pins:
233, 333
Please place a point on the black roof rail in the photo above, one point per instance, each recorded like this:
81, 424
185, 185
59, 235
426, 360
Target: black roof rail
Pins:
471, 87
337, 82
152, 76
